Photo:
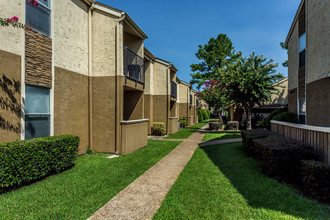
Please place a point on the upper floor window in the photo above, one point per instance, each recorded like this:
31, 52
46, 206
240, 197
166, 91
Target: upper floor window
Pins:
302, 50
37, 112
38, 17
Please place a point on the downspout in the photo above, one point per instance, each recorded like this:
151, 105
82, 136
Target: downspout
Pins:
117, 85
167, 100
90, 82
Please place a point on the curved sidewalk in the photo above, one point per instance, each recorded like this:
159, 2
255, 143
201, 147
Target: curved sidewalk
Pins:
142, 198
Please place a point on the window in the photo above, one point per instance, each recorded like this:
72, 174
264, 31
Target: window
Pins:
37, 112
302, 50
302, 111
39, 17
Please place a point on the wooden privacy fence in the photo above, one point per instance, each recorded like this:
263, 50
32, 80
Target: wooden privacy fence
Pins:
318, 137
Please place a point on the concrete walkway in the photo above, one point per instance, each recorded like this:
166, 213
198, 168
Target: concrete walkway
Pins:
142, 198
214, 142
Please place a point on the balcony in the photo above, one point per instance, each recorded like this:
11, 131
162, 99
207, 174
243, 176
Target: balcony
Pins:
133, 67
174, 90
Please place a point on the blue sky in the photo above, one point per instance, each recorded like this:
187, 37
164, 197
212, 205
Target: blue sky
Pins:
176, 27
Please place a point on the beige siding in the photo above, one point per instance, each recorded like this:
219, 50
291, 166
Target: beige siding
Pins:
160, 79
71, 35
10, 37
104, 44
183, 93
293, 53
318, 35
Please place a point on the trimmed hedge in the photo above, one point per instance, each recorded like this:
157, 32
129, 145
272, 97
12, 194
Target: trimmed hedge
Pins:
24, 161
272, 115
249, 136
286, 117
232, 125
200, 115
158, 128
316, 178
281, 157
206, 116
214, 125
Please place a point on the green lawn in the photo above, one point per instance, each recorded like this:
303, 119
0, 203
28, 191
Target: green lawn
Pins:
79, 192
184, 133
221, 135
221, 182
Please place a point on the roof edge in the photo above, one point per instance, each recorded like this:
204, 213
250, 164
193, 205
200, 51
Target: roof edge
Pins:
294, 22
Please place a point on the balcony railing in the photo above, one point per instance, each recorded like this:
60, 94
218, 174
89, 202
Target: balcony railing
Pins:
191, 99
174, 89
133, 66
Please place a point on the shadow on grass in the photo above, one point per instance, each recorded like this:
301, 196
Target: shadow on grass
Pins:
259, 190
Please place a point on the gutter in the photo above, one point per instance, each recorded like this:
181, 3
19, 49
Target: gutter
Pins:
90, 74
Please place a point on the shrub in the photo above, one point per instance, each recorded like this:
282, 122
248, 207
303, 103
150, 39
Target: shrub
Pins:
214, 125
200, 115
232, 125
209, 113
184, 122
316, 178
249, 136
258, 121
158, 128
287, 117
272, 115
281, 157
24, 161
205, 115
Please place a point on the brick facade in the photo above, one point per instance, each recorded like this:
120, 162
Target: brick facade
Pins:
301, 82
38, 59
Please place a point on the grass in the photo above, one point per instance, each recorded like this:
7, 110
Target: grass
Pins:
184, 133
221, 135
82, 190
221, 182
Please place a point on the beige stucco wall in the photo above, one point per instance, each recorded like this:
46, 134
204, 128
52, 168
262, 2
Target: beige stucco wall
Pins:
71, 35
160, 79
104, 44
149, 78
318, 35
293, 53
183, 93
173, 125
10, 37
282, 97
134, 137
134, 43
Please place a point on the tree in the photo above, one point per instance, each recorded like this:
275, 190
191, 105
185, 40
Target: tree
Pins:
217, 54
250, 81
213, 94
284, 47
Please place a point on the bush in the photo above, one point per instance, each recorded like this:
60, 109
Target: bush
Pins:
205, 115
209, 113
214, 125
258, 121
316, 178
287, 117
200, 115
24, 161
272, 115
184, 122
281, 157
232, 125
158, 128
249, 136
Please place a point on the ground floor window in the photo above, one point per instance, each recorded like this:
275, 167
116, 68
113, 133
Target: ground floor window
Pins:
302, 111
37, 112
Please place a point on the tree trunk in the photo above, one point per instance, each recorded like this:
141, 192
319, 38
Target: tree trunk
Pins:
249, 119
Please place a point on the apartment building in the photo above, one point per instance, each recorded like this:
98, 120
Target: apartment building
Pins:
309, 63
80, 70
161, 93
187, 102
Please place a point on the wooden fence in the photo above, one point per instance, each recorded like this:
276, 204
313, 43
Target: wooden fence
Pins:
318, 137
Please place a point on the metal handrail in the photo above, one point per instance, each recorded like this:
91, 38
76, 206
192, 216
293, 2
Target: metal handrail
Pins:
134, 67
174, 89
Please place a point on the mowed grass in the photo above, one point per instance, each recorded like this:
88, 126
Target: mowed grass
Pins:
184, 133
82, 190
221, 182
221, 135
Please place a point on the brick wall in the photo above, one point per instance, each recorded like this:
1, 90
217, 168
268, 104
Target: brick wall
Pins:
38, 59
301, 82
